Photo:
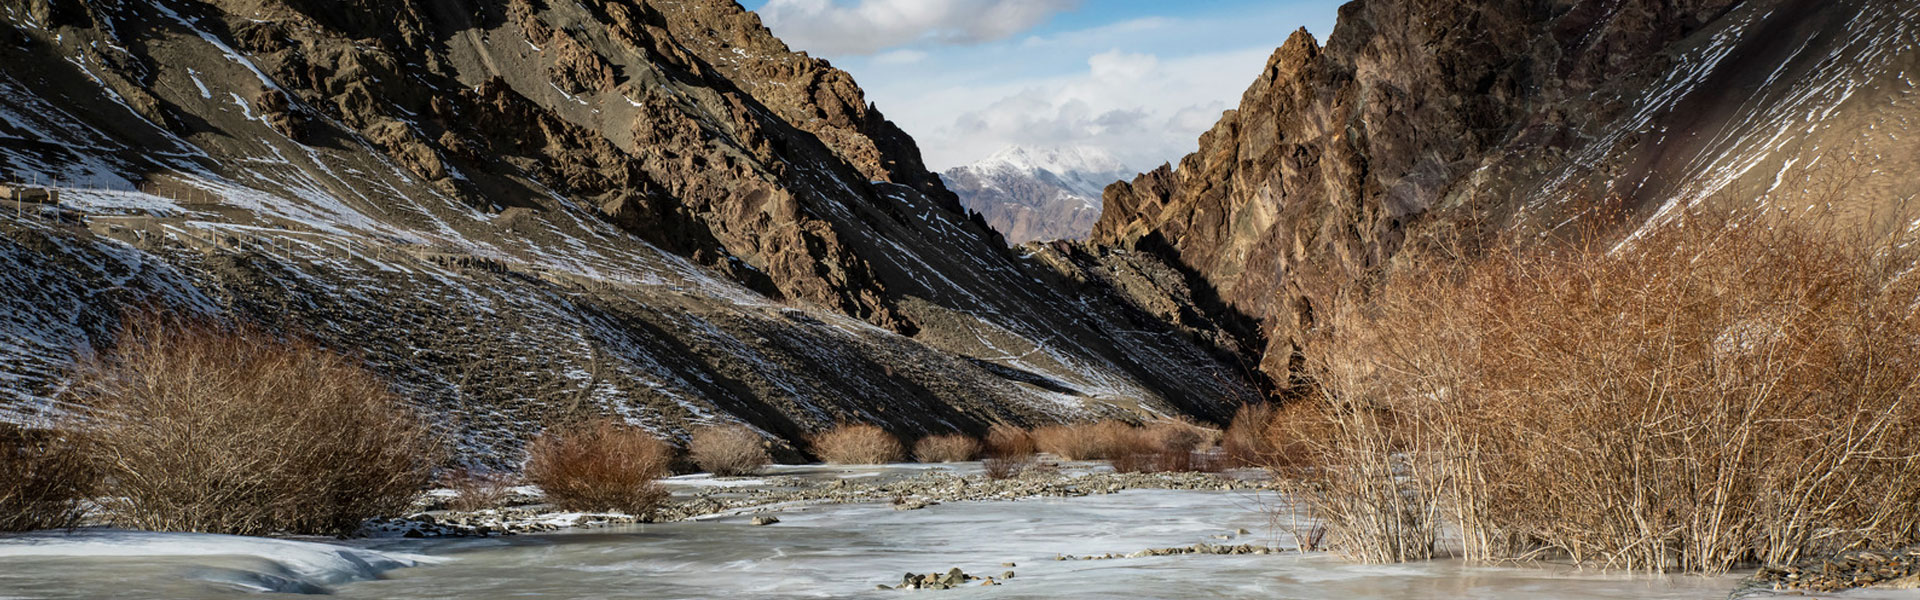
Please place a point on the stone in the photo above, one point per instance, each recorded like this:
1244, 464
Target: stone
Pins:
765, 520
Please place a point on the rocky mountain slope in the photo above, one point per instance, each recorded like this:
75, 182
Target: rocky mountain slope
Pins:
1029, 195
521, 209
1424, 120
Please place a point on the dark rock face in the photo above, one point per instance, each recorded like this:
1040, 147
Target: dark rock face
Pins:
521, 208
1422, 119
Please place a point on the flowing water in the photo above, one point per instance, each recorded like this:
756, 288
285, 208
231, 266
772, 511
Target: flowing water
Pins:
814, 551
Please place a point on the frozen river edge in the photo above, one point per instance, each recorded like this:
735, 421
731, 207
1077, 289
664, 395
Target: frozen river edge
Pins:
842, 541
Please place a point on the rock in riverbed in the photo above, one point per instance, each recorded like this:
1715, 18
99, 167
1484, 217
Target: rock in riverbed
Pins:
1194, 549
938, 581
1852, 570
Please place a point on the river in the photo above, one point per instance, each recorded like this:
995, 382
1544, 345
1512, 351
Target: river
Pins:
820, 551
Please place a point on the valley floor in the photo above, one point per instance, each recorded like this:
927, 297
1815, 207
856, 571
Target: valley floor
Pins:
840, 533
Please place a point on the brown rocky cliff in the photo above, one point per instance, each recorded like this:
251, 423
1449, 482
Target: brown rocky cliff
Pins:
514, 207
1474, 115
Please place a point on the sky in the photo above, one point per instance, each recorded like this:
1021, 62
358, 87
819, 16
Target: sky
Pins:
1141, 79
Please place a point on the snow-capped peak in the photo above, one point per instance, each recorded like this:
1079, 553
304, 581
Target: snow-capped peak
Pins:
1060, 160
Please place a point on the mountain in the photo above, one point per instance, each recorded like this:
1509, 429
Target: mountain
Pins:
516, 209
1422, 123
1029, 195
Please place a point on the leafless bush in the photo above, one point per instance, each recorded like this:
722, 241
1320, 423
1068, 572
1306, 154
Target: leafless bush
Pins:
946, 448
1709, 394
728, 450
1062, 441
1167, 445
604, 465
44, 479
1245, 442
858, 445
1356, 479
211, 428
1088, 441
1006, 468
1009, 441
475, 490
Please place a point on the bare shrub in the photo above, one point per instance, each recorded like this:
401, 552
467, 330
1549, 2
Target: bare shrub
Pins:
946, 448
1063, 441
475, 490
1088, 441
1245, 442
605, 465
858, 445
1006, 468
1009, 441
1180, 435
1167, 445
728, 450
1710, 394
44, 479
1356, 479
1111, 438
211, 428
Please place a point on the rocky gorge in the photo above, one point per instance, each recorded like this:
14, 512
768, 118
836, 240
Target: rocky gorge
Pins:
1423, 128
655, 217
525, 211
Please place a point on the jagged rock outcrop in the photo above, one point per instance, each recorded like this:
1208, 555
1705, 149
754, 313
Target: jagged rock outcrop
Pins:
1033, 195
520, 209
1468, 119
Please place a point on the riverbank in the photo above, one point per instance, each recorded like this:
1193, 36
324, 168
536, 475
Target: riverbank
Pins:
783, 487
847, 550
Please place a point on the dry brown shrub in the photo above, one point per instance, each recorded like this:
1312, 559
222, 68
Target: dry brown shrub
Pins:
1706, 395
1112, 438
44, 479
212, 428
604, 465
1179, 434
1009, 441
946, 448
1062, 441
1245, 442
858, 445
475, 490
1006, 468
1281, 439
1088, 441
728, 450
1165, 445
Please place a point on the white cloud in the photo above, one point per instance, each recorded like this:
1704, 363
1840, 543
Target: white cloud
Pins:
1142, 88
1143, 109
899, 57
831, 27
1115, 66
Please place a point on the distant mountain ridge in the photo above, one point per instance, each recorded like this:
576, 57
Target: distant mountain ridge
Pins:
1032, 194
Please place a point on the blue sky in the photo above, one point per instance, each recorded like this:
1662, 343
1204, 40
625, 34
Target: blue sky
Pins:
1140, 79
